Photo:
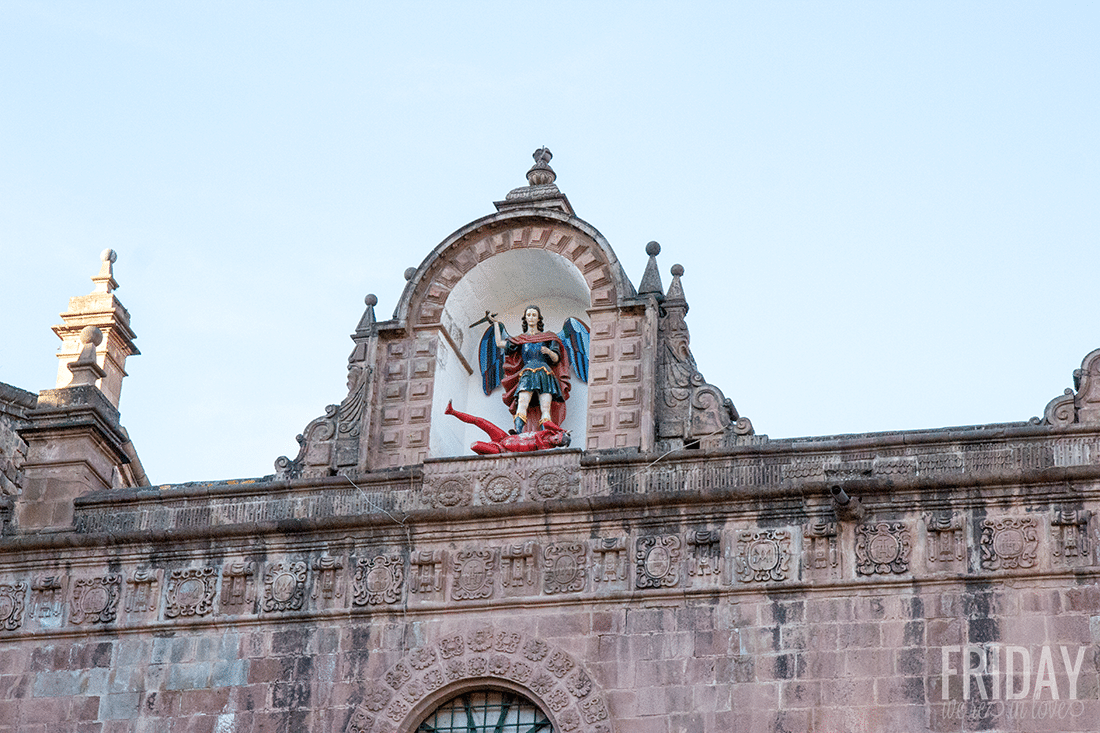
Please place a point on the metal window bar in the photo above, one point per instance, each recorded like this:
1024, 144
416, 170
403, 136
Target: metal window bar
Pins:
487, 711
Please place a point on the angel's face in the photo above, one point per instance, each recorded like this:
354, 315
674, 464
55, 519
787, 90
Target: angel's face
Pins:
531, 316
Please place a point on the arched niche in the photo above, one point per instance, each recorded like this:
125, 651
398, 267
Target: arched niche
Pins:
505, 284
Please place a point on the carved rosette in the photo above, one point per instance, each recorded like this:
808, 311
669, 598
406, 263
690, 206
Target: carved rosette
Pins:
563, 568
553, 678
142, 595
1009, 543
657, 560
474, 572
285, 587
763, 556
882, 548
448, 491
499, 489
12, 602
190, 592
95, 600
550, 484
378, 580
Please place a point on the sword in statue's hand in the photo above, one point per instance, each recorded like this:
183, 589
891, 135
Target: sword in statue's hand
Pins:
487, 319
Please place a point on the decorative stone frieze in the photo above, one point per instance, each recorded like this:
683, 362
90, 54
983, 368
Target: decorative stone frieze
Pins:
426, 572
657, 561
1009, 543
48, 599
328, 581
1070, 531
763, 556
238, 587
882, 548
945, 547
705, 554
821, 557
141, 596
519, 570
95, 600
190, 592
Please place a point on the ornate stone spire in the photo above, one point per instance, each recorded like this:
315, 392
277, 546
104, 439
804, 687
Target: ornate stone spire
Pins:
102, 310
540, 190
651, 279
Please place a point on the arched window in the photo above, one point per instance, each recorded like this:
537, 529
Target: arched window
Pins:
487, 711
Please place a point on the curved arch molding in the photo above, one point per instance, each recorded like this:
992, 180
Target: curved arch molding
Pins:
482, 657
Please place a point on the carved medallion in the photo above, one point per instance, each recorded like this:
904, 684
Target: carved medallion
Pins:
450, 492
882, 548
564, 568
551, 483
285, 587
95, 600
12, 600
657, 559
763, 556
473, 574
190, 592
1009, 543
500, 488
378, 580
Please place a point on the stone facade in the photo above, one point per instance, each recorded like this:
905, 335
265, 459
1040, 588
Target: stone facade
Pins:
674, 572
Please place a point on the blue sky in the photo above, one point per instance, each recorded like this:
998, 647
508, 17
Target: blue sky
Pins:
887, 212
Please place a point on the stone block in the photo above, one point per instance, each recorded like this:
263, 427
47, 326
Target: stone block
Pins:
192, 676
120, 706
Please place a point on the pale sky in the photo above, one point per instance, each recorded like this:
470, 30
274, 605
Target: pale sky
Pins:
887, 212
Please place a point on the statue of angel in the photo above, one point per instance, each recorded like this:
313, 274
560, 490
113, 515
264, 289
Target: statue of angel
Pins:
535, 363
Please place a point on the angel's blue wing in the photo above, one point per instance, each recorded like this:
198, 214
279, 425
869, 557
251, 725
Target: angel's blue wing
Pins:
491, 359
574, 334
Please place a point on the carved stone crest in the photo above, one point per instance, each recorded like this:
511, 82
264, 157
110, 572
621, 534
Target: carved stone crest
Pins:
95, 600
378, 580
763, 556
882, 548
12, 600
473, 574
285, 587
657, 559
190, 592
1009, 543
563, 566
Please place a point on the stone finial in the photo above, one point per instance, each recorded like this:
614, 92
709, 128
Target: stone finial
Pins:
366, 323
651, 279
675, 289
105, 281
102, 310
541, 174
85, 370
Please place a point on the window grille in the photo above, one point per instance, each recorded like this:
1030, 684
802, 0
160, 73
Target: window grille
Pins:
487, 711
